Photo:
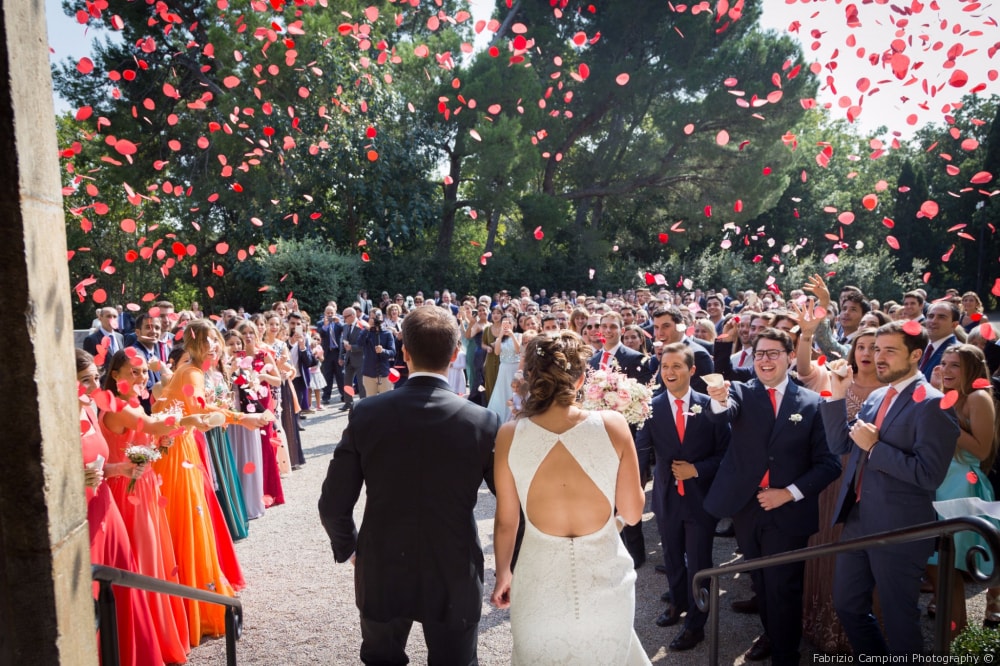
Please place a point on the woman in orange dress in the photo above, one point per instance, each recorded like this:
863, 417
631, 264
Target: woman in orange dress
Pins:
109, 541
183, 483
145, 518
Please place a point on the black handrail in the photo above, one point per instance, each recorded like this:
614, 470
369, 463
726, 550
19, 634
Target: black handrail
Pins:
108, 622
707, 600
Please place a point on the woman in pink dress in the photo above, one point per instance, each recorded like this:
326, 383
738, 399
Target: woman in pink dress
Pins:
109, 541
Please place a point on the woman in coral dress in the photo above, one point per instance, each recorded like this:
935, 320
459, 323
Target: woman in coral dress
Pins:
184, 485
142, 509
109, 541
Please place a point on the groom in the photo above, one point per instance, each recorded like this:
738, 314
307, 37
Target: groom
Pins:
417, 556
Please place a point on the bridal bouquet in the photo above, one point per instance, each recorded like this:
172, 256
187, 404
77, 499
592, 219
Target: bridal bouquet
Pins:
610, 389
140, 455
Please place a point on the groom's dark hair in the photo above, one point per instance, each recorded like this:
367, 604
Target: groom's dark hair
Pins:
430, 336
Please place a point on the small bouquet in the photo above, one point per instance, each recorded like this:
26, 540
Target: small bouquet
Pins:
140, 455
610, 389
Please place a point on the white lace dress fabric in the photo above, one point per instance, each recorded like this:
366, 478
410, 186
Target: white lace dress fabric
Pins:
572, 599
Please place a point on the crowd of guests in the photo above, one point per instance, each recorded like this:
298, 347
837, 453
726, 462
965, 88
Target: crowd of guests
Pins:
763, 401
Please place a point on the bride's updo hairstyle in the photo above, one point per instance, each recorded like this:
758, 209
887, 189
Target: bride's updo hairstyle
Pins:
553, 362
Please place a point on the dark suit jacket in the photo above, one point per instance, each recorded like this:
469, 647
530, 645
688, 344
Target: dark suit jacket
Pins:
329, 332
935, 358
906, 466
93, 341
630, 362
418, 551
704, 445
794, 452
357, 353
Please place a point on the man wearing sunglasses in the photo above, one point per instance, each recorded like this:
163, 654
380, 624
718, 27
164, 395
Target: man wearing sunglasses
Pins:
769, 482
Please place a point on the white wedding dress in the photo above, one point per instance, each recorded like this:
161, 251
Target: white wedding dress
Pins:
572, 599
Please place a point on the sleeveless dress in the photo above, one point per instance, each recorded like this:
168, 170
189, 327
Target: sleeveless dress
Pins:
502, 391
145, 519
965, 478
572, 599
188, 514
110, 545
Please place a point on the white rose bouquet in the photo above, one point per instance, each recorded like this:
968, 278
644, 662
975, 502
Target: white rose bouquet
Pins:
610, 389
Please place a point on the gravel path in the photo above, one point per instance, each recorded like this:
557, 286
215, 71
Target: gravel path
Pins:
299, 604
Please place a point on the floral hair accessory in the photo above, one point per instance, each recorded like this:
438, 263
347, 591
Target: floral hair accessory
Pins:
539, 351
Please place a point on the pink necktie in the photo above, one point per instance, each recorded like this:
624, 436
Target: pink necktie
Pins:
879, 417
680, 437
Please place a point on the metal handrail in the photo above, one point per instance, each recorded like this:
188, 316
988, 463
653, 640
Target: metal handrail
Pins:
108, 621
707, 600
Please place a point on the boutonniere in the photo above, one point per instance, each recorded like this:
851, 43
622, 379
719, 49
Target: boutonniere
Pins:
795, 418
695, 410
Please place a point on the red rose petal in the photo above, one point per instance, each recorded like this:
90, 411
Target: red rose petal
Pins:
981, 383
249, 468
949, 399
920, 393
393, 375
85, 65
664, 238
981, 178
912, 328
971, 477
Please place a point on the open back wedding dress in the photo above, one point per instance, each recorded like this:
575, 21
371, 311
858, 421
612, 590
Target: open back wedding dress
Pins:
572, 598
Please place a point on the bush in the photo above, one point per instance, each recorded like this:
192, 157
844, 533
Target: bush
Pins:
975, 640
311, 272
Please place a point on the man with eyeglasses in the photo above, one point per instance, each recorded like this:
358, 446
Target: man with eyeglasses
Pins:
769, 482
352, 357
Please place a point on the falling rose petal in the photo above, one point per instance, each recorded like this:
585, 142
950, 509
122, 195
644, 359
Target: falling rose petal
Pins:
986, 330
650, 279
584, 70
249, 468
591, 273
971, 477
920, 393
870, 201
85, 65
475, 135
888, 222
981, 383
393, 375
84, 113
912, 328
893, 243
831, 258
929, 209
970, 144
958, 78
539, 234
981, 178
708, 211
99, 296
949, 399
722, 138
689, 128
371, 132
372, 155
663, 237
819, 312
365, 257
622, 79
847, 217
222, 247
821, 360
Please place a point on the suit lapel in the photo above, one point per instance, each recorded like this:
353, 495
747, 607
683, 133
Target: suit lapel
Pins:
789, 405
899, 405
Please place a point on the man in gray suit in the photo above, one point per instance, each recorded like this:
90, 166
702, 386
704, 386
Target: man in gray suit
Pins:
352, 357
900, 447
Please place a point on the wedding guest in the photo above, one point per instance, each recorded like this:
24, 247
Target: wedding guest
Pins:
352, 356
961, 366
769, 482
507, 348
139, 499
379, 347
105, 337
973, 314
491, 366
898, 447
941, 322
330, 330
417, 555
572, 598
109, 540
317, 382
688, 449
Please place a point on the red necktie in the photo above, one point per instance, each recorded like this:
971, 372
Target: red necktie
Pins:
879, 417
743, 358
680, 437
605, 359
927, 357
765, 481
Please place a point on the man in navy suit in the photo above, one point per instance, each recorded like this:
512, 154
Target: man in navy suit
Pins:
668, 328
630, 363
688, 448
900, 447
769, 482
330, 330
108, 318
941, 321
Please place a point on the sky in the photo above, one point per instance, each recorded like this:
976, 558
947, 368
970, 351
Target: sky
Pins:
886, 101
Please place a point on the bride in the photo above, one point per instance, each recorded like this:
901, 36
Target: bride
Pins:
576, 476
